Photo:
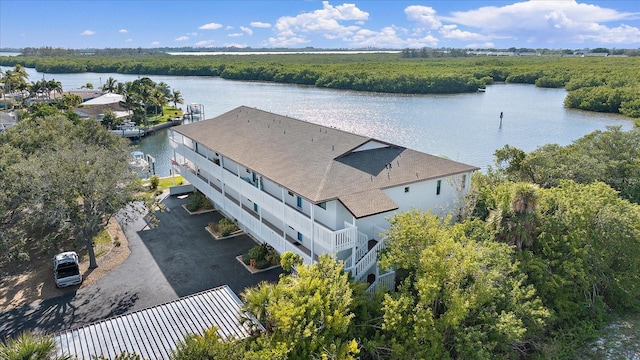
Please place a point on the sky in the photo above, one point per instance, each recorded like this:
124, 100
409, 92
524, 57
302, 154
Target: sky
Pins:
353, 24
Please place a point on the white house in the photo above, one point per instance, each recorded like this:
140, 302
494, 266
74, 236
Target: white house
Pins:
312, 189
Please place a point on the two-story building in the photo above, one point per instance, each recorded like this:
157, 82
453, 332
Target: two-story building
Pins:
312, 189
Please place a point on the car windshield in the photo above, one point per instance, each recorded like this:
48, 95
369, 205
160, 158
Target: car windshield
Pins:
66, 270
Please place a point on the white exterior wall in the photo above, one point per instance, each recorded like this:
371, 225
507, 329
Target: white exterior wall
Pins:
423, 195
290, 219
326, 217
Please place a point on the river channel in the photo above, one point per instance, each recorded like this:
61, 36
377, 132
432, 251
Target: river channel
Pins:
462, 127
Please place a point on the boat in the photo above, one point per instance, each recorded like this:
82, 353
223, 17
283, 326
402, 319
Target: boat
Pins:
138, 161
129, 130
193, 109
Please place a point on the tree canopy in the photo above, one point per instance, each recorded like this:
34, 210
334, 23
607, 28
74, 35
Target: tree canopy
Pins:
61, 180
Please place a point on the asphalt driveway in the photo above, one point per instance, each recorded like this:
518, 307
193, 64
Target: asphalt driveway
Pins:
176, 258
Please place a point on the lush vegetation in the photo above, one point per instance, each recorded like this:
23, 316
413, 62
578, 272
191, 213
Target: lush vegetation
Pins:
223, 228
604, 84
60, 178
147, 101
29, 346
198, 202
533, 271
261, 256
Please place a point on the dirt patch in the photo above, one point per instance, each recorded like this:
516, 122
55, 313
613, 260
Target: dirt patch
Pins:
28, 282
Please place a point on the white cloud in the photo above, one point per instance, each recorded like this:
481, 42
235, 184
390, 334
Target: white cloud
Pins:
286, 41
205, 43
155, 43
552, 22
210, 26
486, 45
425, 41
246, 30
236, 45
129, 40
425, 16
235, 34
182, 38
387, 37
258, 24
229, 27
123, 31
87, 33
452, 32
327, 21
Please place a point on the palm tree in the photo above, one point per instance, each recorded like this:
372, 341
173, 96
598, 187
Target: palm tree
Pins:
110, 85
176, 98
515, 218
29, 346
15, 79
54, 86
159, 100
121, 88
256, 302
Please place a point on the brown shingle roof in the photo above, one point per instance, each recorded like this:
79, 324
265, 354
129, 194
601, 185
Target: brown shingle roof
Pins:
317, 162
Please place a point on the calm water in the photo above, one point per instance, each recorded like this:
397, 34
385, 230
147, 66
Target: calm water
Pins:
463, 127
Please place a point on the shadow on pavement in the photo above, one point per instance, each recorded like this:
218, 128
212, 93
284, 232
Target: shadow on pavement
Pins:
191, 259
69, 310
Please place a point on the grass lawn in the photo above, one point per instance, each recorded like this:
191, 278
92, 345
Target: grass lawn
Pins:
169, 113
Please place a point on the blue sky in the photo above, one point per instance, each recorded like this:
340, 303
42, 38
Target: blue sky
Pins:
333, 24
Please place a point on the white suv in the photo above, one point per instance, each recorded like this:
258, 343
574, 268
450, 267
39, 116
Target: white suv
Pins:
66, 269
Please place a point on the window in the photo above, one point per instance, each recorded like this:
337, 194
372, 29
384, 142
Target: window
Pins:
300, 237
299, 202
290, 193
255, 207
464, 181
438, 186
323, 205
406, 189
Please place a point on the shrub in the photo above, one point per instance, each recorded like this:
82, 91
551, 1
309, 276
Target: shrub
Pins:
262, 264
155, 181
194, 202
227, 227
257, 252
198, 201
246, 259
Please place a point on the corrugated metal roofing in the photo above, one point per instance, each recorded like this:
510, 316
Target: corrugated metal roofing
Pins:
154, 332
317, 162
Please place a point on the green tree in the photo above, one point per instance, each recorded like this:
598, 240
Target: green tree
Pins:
513, 216
208, 346
176, 98
585, 260
110, 85
78, 173
69, 101
308, 313
463, 298
29, 346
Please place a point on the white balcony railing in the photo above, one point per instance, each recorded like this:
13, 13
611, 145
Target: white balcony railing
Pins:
361, 267
384, 281
298, 221
281, 245
231, 208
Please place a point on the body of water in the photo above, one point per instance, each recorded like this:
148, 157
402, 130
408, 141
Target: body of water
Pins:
463, 127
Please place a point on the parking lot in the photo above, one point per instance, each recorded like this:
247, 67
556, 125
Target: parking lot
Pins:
176, 258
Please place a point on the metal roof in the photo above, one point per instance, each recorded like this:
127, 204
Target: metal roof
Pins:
317, 162
154, 332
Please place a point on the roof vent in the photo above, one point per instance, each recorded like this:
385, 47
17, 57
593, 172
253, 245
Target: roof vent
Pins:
332, 148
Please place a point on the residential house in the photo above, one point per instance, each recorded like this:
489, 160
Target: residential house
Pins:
312, 189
